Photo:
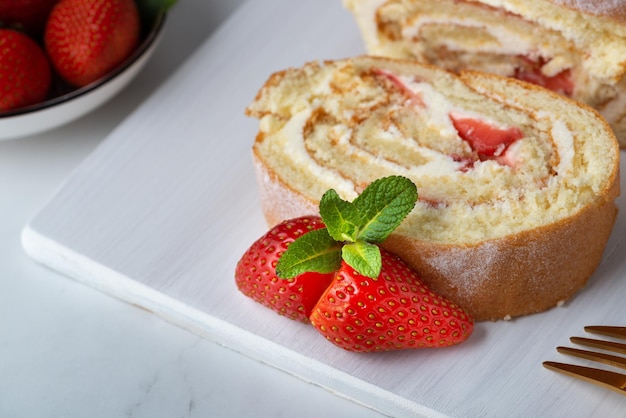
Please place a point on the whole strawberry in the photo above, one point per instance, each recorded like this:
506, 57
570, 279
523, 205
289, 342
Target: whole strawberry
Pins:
392, 311
25, 75
31, 15
87, 39
255, 274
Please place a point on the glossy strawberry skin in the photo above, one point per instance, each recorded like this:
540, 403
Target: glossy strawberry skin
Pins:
392, 312
25, 75
255, 274
87, 39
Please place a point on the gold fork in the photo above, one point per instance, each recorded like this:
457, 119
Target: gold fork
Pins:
605, 378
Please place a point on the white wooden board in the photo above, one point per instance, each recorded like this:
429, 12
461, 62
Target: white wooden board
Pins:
159, 214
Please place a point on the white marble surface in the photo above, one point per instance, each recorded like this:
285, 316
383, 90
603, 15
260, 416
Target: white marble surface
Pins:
70, 351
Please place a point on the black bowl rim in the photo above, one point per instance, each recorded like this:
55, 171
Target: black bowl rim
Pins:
152, 35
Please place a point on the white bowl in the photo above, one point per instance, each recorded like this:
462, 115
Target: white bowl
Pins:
69, 106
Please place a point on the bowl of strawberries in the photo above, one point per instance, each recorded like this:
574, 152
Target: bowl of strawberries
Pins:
61, 59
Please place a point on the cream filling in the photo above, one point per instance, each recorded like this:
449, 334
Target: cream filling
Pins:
509, 42
291, 141
564, 141
439, 108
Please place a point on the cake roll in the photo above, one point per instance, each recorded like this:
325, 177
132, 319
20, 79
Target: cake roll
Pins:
516, 183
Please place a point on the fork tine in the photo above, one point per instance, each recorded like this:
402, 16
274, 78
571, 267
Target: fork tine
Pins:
617, 332
591, 355
604, 378
602, 344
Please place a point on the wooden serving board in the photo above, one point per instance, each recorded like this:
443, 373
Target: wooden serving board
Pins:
160, 213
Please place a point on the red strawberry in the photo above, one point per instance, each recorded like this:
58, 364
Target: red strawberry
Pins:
24, 71
255, 274
31, 14
86, 39
392, 311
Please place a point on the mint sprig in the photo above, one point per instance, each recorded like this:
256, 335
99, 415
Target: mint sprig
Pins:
352, 230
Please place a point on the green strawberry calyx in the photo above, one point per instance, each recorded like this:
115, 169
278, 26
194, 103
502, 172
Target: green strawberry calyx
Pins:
156, 5
150, 10
353, 230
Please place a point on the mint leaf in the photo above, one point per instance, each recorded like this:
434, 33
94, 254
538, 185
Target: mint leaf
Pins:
363, 257
383, 205
340, 217
314, 251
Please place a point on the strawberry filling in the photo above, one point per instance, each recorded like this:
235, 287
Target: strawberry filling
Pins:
414, 97
484, 138
531, 71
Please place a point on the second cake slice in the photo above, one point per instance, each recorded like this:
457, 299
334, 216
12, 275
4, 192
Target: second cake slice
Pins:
576, 48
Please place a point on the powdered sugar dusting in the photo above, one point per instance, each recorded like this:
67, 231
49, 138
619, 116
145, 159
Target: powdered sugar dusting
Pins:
611, 8
469, 269
272, 190
460, 267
